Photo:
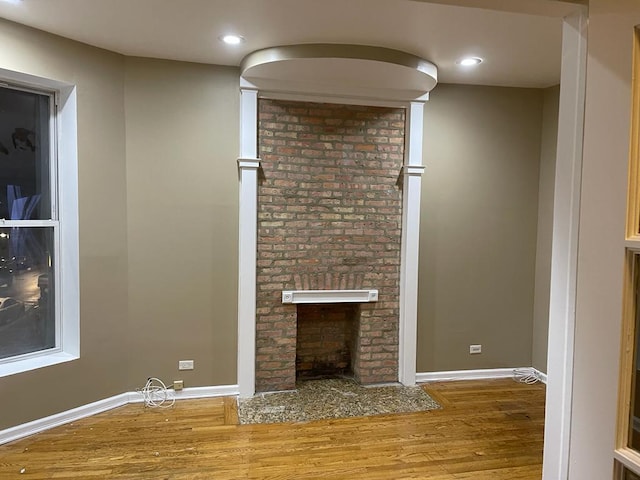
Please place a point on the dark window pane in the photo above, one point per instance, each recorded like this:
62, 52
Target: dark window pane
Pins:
634, 421
24, 155
27, 314
629, 475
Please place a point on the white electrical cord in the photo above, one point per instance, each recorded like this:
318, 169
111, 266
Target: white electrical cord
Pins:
525, 375
156, 394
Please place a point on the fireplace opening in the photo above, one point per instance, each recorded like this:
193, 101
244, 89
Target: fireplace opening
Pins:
326, 340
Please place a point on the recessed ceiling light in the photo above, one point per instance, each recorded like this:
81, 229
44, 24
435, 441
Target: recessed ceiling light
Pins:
232, 39
15, 2
469, 61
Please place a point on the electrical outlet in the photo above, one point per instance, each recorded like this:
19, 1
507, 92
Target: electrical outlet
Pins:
474, 349
185, 365
178, 385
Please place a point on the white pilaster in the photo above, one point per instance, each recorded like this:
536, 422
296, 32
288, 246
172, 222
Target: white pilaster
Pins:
411, 189
248, 165
564, 252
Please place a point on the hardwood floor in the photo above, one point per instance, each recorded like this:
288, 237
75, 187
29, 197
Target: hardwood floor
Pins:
485, 430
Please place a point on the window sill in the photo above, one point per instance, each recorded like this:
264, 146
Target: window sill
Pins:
33, 363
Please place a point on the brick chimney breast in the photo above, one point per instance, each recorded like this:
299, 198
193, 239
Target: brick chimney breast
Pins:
329, 218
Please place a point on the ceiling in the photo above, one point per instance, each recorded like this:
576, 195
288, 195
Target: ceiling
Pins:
519, 49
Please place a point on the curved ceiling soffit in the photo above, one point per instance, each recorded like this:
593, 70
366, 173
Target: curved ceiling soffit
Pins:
340, 70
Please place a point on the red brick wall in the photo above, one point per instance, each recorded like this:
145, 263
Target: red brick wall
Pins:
329, 217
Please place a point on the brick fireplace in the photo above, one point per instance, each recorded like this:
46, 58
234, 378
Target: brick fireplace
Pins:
329, 218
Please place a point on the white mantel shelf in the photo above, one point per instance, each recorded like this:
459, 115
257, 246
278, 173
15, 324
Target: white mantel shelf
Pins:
329, 296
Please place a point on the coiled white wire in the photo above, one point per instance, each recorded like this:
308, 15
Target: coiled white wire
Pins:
156, 394
525, 376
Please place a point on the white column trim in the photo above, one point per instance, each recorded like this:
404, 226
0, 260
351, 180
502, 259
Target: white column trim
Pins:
413, 170
564, 257
248, 123
411, 189
248, 165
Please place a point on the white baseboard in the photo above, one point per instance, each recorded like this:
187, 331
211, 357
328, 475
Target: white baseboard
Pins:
42, 424
482, 374
207, 392
26, 429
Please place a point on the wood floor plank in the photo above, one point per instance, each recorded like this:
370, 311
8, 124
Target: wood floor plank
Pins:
230, 411
485, 430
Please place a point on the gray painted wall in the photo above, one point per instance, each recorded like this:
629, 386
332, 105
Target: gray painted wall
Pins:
182, 204
478, 227
545, 228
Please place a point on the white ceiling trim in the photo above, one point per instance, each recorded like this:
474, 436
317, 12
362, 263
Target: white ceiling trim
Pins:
547, 8
353, 71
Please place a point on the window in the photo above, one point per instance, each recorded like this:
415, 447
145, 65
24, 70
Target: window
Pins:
622, 473
629, 475
28, 224
39, 314
627, 452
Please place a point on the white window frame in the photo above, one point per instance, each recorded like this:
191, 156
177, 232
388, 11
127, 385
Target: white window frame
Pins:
64, 191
